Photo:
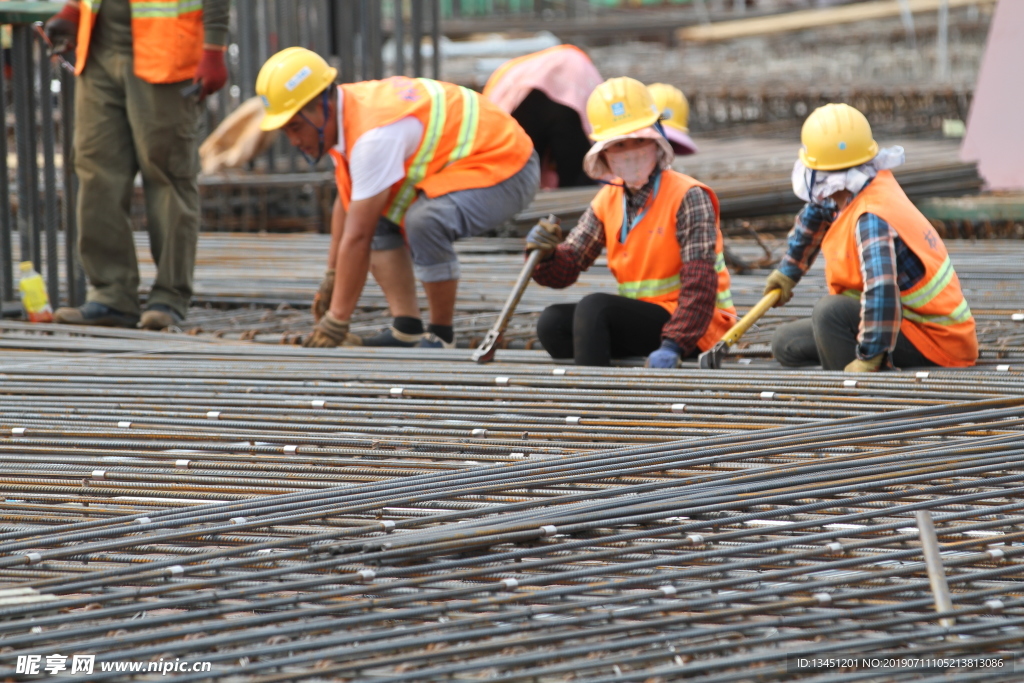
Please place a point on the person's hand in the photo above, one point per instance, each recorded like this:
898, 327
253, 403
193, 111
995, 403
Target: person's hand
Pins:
322, 300
212, 72
545, 236
331, 332
665, 357
778, 280
62, 29
869, 365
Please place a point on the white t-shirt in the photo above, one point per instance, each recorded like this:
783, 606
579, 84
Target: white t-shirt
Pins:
377, 160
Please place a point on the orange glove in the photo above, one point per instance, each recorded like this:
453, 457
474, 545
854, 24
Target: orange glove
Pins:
212, 72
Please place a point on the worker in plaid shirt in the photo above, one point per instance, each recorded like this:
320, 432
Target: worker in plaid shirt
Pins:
895, 300
660, 228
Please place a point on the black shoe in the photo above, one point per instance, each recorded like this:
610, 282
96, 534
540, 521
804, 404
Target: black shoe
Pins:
95, 313
392, 337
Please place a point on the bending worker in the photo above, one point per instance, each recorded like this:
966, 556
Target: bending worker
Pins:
132, 61
435, 161
664, 247
894, 299
546, 92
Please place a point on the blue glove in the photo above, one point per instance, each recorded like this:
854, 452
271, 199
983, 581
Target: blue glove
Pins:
665, 357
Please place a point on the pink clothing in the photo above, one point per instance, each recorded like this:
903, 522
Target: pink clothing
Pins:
564, 73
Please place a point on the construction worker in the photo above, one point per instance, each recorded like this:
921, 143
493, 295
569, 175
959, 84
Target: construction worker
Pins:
133, 59
675, 117
664, 247
894, 299
437, 161
546, 92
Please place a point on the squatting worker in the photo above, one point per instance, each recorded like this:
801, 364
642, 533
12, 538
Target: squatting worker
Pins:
664, 247
894, 299
546, 92
437, 161
675, 117
133, 58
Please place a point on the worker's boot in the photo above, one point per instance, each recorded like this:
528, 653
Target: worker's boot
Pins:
159, 317
438, 337
389, 336
95, 313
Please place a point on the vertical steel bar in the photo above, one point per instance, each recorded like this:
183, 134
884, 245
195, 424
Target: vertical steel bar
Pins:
74, 273
398, 36
50, 202
6, 222
345, 38
377, 42
246, 52
435, 38
364, 40
23, 138
933, 562
416, 36
942, 43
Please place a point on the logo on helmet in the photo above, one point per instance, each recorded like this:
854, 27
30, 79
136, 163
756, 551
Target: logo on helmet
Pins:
618, 109
293, 82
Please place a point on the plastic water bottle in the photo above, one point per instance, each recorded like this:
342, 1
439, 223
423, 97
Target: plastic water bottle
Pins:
33, 295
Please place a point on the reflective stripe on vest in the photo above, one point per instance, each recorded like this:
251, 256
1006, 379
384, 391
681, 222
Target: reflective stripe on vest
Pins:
163, 9
642, 289
723, 299
431, 137
923, 296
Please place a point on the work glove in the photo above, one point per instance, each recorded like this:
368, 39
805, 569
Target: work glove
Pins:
545, 236
212, 72
869, 365
665, 357
331, 332
778, 280
322, 300
62, 29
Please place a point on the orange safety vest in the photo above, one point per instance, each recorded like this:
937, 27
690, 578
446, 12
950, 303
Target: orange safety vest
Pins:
468, 142
167, 38
936, 317
648, 264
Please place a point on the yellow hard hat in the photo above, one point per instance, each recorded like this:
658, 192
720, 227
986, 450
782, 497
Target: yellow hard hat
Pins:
620, 106
673, 106
836, 136
288, 82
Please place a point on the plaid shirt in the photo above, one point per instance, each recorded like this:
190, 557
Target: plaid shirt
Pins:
696, 233
887, 267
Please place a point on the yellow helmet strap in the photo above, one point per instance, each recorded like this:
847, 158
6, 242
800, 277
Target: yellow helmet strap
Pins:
325, 104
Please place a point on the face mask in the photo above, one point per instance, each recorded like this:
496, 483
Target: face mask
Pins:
634, 166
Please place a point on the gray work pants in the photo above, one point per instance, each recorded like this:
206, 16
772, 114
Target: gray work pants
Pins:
829, 338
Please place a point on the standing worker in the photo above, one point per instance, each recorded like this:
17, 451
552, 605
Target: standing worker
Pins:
675, 117
437, 161
133, 59
894, 299
664, 247
546, 92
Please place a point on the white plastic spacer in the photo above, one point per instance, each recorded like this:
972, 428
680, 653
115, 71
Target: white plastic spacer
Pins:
767, 395
695, 539
124, 424
572, 420
745, 361
33, 557
238, 520
549, 530
678, 407
558, 371
318, 403
517, 455
176, 570
510, 584
834, 547
397, 391
143, 520
387, 525
849, 383
17, 430
501, 381
1002, 368
823, 598
99, 474
213, 415
182, 464
291, 449
367, 574
921, 375
669, 591
996, 554
1017, 317
994, 605
479, 433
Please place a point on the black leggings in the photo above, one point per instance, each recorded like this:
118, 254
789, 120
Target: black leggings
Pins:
601, 327
555, 129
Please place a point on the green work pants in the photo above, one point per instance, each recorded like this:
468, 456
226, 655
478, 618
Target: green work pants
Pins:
124, 125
